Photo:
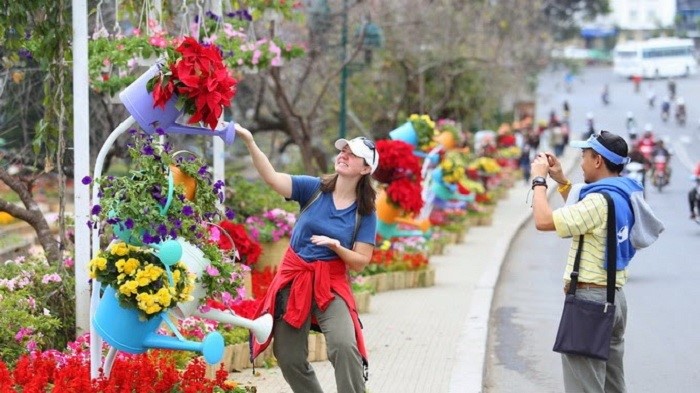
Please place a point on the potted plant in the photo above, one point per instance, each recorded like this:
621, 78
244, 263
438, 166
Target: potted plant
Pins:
196, 76
424, 127
140, 280
272, 229
147, 208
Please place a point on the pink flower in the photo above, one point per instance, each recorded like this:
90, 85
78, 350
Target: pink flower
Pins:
53, 277
212, 271
22, 333
68, 262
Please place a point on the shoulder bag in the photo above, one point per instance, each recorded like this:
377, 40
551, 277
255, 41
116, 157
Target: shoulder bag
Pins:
586, 326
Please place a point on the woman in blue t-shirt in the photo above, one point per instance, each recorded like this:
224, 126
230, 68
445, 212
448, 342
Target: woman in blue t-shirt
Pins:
334, 232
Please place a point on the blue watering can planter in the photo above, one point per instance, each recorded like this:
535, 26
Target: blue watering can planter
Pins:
139, 102
387, 231
405, 133
123, 329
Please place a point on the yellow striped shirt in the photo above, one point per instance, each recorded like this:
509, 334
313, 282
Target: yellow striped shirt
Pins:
588, 217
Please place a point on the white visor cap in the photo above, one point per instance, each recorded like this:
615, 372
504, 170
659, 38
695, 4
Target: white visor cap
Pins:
361, 147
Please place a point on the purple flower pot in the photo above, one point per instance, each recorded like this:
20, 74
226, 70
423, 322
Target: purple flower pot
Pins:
139, 102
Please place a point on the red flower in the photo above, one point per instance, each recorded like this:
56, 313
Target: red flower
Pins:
248, 249
396, 160
199, 77
406, 194
261, 281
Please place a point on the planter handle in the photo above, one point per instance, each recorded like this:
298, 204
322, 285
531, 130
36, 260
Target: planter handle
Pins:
171, 190
225, 232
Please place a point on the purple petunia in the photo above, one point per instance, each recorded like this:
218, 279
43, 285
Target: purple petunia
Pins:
129, 223
86, 180
147, 150
188, 211
160, 131
96, 209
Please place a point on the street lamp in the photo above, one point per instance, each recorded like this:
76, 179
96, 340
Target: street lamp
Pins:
371, 39
371, 36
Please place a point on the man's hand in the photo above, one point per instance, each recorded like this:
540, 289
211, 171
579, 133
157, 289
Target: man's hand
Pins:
555, 171
540, 166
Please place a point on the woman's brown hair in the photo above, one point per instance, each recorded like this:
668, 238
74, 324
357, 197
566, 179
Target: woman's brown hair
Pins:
365, 193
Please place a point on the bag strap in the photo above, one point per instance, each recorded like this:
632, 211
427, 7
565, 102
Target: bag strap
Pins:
610, 251
314, 198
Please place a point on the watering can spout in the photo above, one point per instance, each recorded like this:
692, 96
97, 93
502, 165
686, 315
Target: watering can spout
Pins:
212, 347
228, 133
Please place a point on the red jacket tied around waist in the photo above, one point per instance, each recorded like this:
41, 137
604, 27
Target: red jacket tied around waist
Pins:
320, 280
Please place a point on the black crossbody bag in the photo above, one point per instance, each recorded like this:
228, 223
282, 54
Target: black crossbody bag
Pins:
586, 326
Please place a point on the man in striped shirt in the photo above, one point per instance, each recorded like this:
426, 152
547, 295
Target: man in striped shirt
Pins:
603, 158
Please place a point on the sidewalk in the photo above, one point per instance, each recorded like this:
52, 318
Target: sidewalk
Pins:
433, 339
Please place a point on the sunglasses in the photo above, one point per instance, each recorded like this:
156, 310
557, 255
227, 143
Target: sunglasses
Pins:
370, 144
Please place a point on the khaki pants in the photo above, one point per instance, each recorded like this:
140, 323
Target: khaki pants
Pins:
586, 375
291, 349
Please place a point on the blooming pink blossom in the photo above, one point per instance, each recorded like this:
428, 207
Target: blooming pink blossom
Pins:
212, 271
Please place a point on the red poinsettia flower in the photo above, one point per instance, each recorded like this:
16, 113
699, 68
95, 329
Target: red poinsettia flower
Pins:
198, 76
406, 194
396, 160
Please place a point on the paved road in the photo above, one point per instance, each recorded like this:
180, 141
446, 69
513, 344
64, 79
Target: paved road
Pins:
663, 348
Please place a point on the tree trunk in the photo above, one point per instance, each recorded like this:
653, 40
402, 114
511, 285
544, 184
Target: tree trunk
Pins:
31, 214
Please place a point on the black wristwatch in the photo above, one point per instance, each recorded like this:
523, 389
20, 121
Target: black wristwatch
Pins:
539, 181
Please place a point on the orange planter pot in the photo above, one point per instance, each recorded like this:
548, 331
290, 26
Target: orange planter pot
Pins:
386, 212
446, 139
187, 181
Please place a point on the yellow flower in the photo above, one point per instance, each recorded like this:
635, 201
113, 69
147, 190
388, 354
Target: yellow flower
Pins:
120, 249
129, 288
385, 245
131, 265
164, 297
100, 263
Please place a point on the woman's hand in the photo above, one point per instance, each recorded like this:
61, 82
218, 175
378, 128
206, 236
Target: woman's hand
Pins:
243, 133
319, 240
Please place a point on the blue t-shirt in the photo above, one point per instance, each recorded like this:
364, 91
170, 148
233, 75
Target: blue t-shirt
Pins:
322, 218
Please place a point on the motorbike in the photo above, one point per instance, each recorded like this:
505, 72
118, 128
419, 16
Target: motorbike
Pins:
660, 176
635, 171
606, 98
680, 116
665, 112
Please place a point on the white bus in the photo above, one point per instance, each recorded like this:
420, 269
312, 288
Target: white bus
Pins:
655, 58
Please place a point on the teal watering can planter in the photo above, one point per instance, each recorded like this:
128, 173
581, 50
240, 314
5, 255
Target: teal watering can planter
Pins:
122, 328
139, 102
405, 133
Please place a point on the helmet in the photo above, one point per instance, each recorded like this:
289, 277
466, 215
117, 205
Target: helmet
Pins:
680, 101
630, 115
589, 115
648, 128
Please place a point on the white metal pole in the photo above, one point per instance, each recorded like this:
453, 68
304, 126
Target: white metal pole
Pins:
81, 159
95, 341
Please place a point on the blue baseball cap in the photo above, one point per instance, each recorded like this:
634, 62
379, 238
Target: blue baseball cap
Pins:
612, 147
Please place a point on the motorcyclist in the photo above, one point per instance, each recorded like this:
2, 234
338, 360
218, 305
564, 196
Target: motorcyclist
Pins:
694, 194
680, 111
590, 126
647, 143
631, 125
605, 95
661, 156
636, 156
665, 108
